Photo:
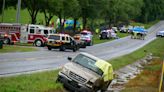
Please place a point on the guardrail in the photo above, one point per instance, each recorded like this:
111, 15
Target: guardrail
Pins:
161, 80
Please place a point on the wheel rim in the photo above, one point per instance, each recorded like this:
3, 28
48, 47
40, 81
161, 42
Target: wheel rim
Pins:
38, 43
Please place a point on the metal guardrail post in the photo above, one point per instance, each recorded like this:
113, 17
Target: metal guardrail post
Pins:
161, 80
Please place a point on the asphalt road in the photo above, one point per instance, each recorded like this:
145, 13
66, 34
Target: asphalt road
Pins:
27, 62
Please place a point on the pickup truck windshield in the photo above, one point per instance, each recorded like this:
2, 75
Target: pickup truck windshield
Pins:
88, 63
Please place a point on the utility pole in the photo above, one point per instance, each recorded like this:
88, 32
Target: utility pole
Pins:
3, 8
18, 11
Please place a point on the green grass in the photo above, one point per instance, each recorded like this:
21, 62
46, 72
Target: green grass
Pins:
10, 16
39, 82
13, 48
45, 81
24, 44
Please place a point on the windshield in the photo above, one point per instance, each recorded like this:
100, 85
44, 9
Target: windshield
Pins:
87, 63
54, 37
84, 33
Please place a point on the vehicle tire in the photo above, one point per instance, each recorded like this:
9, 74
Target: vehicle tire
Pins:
38, 43
90, 43
49, 48
62, 48
6, 41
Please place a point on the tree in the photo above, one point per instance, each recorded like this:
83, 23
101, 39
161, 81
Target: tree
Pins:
121, 10
8, 3
33, 7
152, 10
71, 8
90, 9
84, 6
49, 8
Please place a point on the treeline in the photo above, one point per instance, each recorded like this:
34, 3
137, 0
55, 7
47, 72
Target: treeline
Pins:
111, 11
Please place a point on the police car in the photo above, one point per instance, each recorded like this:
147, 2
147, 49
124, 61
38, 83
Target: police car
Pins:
62, 42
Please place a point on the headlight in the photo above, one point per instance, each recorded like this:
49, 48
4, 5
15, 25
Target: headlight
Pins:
65, 70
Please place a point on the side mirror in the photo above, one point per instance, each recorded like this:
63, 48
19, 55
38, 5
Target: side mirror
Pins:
69, 58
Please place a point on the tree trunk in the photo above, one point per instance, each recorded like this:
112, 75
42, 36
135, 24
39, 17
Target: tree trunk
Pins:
33, 15
47, 18
74, 25
33, 18
60, 20
84, 22
92, 25
61, 23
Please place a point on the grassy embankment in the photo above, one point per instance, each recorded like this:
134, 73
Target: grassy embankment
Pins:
45, 81
147, 81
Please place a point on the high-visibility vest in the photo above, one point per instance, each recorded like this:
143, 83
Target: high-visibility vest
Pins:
97, 30
106, 68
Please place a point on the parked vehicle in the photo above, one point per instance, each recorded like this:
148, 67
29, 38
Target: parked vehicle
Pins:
104, 34
160, 33
30, 33
138, 33
123, 29
79, 41
115, 29
86, 73
62, 42
87, 37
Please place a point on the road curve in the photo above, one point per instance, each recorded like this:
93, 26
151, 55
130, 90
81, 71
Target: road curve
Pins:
27, 62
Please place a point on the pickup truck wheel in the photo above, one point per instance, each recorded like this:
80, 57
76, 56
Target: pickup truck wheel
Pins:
62, 48
38, 43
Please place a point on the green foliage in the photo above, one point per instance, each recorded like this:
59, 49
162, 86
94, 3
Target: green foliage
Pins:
8, 3
111, 11
121, 10
152, 10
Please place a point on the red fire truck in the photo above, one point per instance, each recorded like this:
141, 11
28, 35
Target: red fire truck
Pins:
30, 33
